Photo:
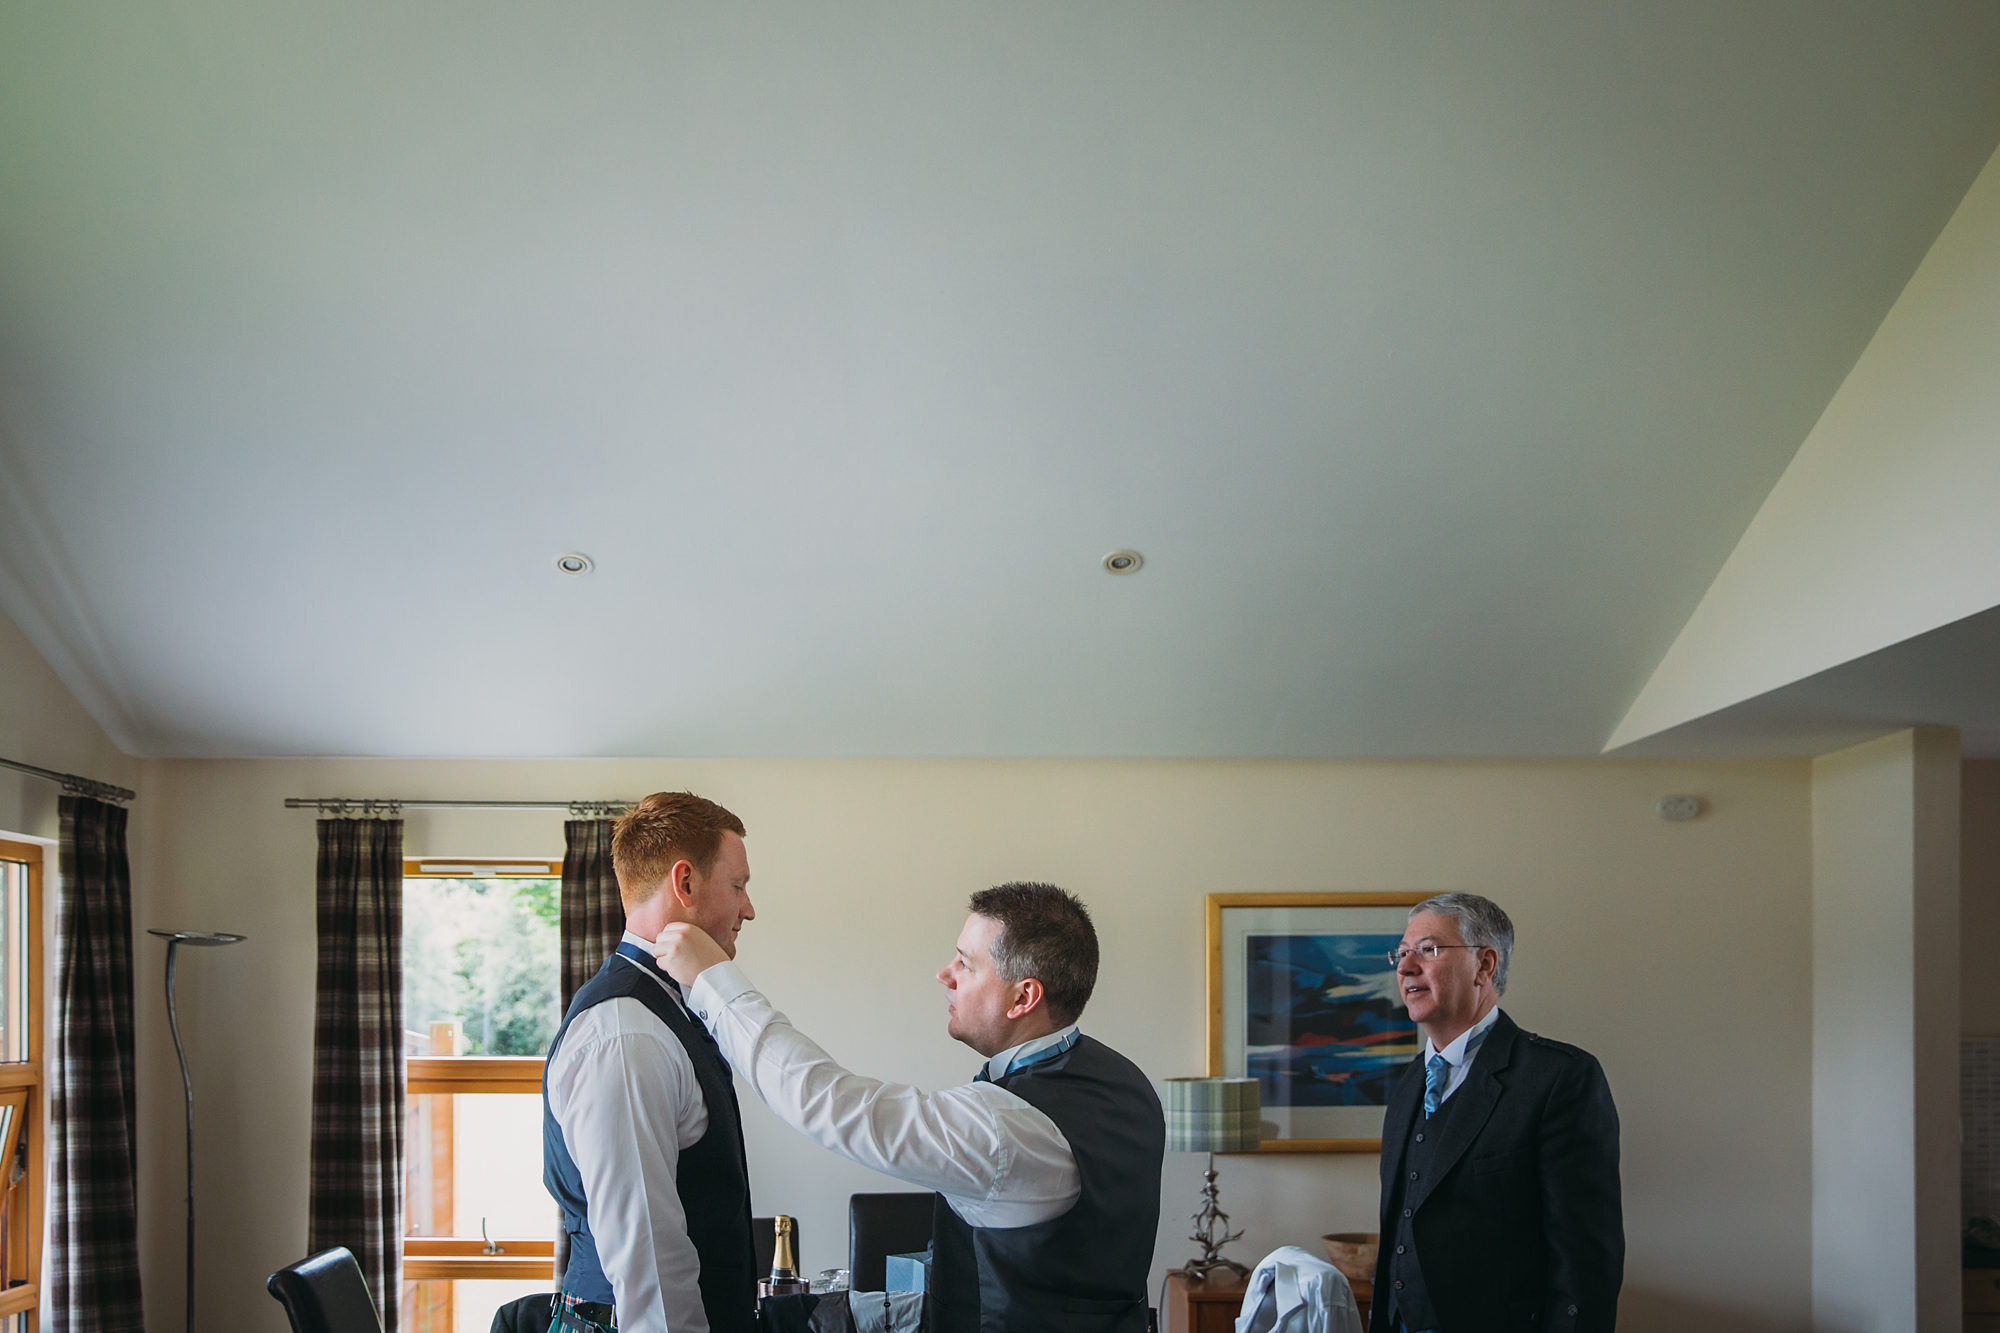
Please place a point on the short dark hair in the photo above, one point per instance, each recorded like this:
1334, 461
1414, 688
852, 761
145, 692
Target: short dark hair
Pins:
666, 827
1046, 934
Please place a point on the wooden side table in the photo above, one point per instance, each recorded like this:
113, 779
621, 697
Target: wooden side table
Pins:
1211, 1304
1202, 1305
1982, 1300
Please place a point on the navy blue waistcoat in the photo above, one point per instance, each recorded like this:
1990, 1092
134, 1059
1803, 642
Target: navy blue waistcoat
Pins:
713, 1178
1085, 1271
1408, 1297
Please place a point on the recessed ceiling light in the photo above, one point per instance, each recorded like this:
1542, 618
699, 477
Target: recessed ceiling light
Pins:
1124, 562
575, 562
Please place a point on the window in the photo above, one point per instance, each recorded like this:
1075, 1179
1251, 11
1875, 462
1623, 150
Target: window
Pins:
21, 1178
481, 957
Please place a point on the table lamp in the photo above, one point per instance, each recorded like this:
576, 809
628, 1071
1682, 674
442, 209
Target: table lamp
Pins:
1213, 1115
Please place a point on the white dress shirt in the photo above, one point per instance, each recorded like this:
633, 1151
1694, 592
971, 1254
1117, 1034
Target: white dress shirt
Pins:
1455, 1054
1307, 1295
623, 1089
997, 1160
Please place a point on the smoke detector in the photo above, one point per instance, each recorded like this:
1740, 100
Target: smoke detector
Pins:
1679, 809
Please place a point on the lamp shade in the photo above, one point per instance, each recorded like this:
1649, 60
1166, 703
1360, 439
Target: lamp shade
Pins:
1213, 1115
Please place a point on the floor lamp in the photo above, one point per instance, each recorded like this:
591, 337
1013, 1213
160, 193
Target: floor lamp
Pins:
204, 939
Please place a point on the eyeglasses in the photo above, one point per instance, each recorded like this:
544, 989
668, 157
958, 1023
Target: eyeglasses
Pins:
1429, 952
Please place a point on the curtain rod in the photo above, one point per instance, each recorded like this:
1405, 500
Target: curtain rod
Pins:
74, 785
395, 805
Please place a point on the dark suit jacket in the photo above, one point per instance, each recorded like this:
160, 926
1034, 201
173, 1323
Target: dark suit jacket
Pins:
1518, 1226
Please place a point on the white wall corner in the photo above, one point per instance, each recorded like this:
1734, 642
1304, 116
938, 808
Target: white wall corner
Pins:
1937, 846
1885, 1035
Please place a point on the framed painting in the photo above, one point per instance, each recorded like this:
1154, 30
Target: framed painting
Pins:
1302, 997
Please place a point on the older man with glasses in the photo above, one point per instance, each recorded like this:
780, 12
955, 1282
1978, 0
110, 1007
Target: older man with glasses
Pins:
1500, 1206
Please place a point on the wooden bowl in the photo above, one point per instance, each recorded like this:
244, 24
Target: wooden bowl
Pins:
1353, 1253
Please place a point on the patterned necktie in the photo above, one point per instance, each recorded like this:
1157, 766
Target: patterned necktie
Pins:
1436, 1074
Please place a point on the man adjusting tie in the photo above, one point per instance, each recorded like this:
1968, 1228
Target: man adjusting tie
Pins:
1500, 1203
1047, 1165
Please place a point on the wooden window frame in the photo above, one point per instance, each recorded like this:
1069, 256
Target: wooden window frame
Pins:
24, 1242
458, 1258
482, 867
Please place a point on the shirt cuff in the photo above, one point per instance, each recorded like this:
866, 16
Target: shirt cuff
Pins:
715, 988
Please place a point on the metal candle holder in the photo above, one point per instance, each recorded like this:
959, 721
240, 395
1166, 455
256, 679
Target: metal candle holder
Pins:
201, 939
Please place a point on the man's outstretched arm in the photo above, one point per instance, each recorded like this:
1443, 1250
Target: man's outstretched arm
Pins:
1000, 1161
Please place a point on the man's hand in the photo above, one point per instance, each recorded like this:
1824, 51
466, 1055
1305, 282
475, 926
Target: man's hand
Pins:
686, 952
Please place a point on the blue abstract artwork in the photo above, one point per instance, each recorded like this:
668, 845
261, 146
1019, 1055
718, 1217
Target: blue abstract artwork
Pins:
1325, 1024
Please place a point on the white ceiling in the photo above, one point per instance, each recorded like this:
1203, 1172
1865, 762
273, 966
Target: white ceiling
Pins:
1435, 357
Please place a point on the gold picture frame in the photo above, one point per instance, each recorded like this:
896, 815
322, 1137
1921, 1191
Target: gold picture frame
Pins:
1227, 1014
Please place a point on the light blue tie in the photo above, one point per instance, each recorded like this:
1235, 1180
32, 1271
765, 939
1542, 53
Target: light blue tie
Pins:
1436, 1074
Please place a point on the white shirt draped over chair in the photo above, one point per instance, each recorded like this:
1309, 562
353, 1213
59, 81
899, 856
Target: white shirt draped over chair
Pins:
1290, 1291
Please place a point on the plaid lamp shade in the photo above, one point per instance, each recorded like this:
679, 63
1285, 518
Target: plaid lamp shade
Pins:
1213, 1115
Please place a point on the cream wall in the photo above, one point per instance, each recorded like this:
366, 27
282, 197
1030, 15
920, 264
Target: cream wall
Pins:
1674, 951
41, 723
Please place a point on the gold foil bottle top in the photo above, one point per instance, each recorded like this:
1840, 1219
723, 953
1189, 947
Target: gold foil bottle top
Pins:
784, 1262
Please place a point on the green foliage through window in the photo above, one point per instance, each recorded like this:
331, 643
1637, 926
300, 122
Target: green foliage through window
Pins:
483, 951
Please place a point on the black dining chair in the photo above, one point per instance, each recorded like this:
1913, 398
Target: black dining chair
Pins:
325, 1294
529, 1314
879, 1225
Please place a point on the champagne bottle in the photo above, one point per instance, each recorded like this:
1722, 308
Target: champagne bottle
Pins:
784, 1279
784, 1264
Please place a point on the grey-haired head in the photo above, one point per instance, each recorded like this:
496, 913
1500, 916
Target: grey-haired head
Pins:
1480, 922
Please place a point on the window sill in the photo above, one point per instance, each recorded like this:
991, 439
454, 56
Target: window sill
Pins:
454, 1074
441, 1259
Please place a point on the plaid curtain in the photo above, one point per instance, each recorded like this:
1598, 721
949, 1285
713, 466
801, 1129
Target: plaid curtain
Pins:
357, 1115
93, 1214
593, 918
